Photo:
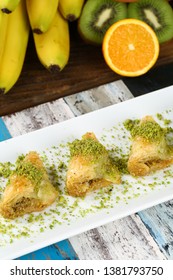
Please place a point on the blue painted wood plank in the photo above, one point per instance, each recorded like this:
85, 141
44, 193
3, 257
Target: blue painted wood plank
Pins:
4, 133
159, 221
59, 251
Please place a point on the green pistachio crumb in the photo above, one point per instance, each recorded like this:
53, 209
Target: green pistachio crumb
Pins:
121, 164
86, 147
150, 130
30, 171
130, 124
117, 199
6, 169
159, 116
167, 122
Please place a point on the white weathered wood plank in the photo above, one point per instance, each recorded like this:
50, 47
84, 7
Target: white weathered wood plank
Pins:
159, 221
97, 98
127, 238
38, 117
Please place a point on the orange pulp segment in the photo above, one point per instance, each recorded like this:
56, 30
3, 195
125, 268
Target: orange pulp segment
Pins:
130, 47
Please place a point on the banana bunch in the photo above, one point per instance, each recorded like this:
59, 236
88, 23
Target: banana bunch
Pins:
48, 21
14, 34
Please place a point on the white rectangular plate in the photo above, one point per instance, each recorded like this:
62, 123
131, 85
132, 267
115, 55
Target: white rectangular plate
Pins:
72, 216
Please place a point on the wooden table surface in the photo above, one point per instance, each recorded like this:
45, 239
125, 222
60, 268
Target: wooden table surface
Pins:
86, 69
144, 235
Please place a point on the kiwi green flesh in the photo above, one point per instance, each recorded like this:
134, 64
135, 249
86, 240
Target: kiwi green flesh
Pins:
97, 16
157, 14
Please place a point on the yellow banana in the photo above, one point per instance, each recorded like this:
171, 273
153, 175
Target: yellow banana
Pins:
71, 10
53, 46
41, 14
8, 6
14, 45
3, 31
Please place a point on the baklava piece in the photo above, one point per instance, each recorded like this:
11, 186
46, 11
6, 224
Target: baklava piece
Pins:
28, 189
90, 167
150, 151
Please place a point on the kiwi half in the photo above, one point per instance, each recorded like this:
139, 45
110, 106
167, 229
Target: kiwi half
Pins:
97, 16
156, 13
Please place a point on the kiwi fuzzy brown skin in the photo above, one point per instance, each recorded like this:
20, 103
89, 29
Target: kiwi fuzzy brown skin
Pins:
156, 13
97, 16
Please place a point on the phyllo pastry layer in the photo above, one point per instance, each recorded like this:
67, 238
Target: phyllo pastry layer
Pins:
90, 166
150, 151
28, 189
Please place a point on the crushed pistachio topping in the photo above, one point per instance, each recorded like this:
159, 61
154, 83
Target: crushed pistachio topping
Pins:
159, 116
6, 169
167, 122
168, 130
30, 171
86, 147
19, 159
121, 164
150, 130
130, 124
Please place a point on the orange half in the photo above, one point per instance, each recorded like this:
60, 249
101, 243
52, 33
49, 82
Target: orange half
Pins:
130, 47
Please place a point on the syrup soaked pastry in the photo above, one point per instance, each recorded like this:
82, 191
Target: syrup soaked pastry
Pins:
150, 151
90, 167
28, 189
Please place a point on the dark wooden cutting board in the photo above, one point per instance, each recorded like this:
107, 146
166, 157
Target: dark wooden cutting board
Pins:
86, 69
